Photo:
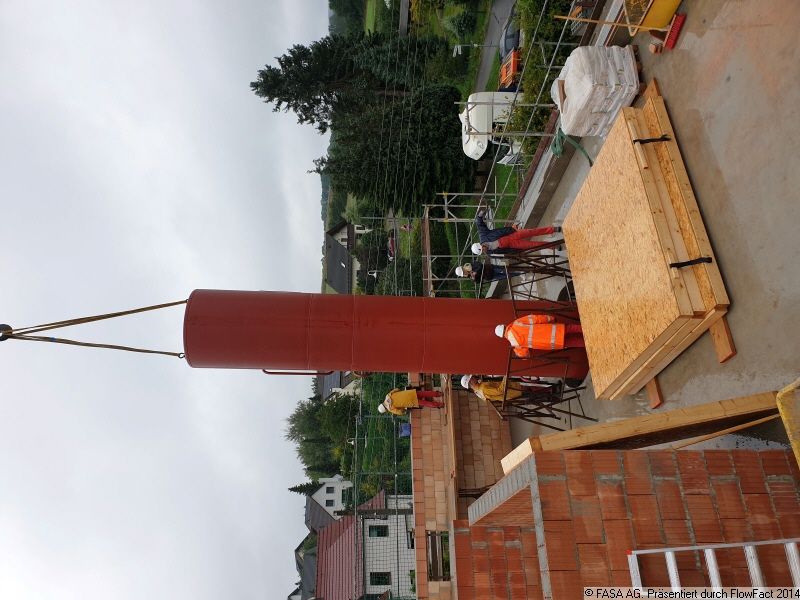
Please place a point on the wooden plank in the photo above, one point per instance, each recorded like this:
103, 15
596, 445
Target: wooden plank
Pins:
670, 352
690, 201
669, 254
624, 287
789, 407
653, 90
635, 366
648, 430
716, 434
723, 340
659, 196
675, 197
654, 393
646, 370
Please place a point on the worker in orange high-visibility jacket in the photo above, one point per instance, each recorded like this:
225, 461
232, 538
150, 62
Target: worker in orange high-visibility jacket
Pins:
540, 332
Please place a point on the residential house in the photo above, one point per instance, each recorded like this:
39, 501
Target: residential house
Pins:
340, 266
368, 553
340, 270
332, 494
336, 382
305, 558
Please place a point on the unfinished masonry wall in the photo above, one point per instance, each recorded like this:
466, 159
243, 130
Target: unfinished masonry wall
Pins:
583, 510
496, 563
482, 439
455, 449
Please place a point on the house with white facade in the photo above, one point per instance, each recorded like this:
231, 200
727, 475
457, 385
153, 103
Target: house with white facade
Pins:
369, 554
388, 549
331, 494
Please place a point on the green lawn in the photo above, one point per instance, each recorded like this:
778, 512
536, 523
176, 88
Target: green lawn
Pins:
494, 75
369, 14
408, 242
478, 37
507, 180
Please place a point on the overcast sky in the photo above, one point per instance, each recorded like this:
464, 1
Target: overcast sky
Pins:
137, 166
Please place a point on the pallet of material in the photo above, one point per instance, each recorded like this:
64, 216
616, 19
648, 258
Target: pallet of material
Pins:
634, 217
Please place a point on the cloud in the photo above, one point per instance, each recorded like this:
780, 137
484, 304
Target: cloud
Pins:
137, 166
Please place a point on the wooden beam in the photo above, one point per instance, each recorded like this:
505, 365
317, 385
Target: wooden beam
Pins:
654, 393
789, 406
723, 340
652, 90
648, 430
716, 434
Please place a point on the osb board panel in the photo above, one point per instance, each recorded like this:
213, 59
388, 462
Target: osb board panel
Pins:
635, 366
684, 203
623, 285
669, 352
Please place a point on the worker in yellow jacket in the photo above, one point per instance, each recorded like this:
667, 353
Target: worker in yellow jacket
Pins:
492, 391
399, 401
540, 332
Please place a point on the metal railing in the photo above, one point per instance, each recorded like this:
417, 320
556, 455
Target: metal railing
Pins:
712, 568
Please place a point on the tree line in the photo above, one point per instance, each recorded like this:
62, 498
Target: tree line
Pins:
389, 103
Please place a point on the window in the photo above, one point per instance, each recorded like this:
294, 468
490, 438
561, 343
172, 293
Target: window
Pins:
328, 502
380, 578
329, 489
438, 555
378, 531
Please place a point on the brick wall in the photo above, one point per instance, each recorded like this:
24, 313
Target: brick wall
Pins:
482, 439
470, 432
586, 509
496, 563
430, 459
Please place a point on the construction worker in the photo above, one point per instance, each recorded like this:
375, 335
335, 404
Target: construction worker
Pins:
489, 235
540, 332
399, 401
492, 391
519, 240
484, 272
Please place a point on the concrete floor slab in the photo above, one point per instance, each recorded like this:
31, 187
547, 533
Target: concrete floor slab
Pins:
731, 88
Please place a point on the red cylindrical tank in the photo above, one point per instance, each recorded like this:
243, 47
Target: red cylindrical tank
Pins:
322, 332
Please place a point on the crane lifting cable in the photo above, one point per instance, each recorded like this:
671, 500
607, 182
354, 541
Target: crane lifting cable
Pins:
26, 333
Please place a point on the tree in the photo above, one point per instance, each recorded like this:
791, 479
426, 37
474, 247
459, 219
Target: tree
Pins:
345, 74
349, 15
313, 80
337, 419
371, 250
462, 24
305, 489
401, 278
304, 420
314, 448
403, 153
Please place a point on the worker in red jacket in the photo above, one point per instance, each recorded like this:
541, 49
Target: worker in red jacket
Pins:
540, 332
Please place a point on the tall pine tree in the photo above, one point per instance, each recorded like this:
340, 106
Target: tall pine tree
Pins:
305, 489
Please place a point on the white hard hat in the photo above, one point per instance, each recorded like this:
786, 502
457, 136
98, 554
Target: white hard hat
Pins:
476, 248
465, 381
500, 330
460, 271
381, 408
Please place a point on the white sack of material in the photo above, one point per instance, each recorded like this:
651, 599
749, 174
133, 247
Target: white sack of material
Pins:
594, 85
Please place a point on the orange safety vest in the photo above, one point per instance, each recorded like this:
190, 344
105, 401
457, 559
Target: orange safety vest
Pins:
537, 332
